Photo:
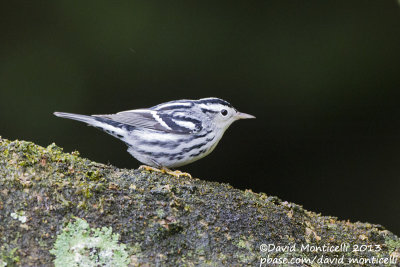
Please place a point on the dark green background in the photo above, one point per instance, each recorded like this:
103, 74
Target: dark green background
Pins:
322, 77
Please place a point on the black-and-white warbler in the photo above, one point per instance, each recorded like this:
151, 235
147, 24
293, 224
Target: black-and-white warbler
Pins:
171, 134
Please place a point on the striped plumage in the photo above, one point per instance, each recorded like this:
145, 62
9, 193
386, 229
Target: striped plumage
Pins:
171, 134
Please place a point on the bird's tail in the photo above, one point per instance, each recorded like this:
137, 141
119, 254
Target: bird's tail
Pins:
111, 127
83, 118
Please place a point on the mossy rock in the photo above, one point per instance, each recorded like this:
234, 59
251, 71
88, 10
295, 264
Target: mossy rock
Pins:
161, 219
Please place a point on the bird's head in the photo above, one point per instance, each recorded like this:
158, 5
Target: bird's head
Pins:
221, 112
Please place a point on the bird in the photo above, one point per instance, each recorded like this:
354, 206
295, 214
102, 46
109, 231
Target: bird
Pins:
168, 135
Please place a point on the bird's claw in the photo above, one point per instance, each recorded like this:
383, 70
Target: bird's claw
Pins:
176, 173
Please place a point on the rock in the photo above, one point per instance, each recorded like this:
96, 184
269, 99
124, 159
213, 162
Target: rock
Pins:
165, 220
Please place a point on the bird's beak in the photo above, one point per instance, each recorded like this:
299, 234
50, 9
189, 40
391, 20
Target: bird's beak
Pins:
241, 115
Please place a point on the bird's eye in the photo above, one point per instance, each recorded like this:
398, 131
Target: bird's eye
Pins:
224, 112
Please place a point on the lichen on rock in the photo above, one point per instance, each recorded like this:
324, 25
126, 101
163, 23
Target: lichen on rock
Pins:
80, 245
163, 220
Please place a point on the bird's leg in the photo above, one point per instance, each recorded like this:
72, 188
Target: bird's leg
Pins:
176, 173
149, 168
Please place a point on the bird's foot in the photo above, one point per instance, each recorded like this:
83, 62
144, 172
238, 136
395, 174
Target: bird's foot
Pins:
176, 173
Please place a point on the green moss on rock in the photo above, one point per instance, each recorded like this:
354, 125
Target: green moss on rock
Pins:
162, 220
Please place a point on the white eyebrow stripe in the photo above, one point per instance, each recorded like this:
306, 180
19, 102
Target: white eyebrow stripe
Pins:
174, 104
159, 120
213, 107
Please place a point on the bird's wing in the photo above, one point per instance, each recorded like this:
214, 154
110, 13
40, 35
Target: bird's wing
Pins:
165, 121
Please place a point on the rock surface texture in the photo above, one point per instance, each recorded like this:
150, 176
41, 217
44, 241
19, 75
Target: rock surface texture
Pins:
162, 220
